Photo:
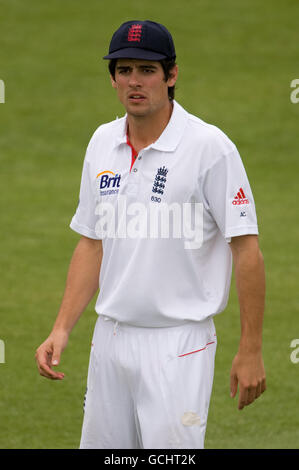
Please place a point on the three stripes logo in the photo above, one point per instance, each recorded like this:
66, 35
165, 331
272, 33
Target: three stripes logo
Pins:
240, 198
135, 33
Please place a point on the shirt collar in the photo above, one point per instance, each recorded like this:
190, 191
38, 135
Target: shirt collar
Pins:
170, 137
173, 132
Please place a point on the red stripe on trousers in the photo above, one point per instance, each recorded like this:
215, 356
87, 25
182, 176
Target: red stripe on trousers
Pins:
192, 352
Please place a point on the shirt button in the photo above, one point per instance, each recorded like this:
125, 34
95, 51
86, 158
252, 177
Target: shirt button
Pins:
135, 169
139, 158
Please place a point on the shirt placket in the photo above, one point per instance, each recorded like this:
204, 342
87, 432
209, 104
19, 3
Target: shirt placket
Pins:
134, 174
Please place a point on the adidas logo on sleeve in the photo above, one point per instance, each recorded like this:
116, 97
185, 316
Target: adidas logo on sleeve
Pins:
240, 198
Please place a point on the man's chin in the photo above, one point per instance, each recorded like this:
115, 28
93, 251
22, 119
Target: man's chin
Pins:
138, 111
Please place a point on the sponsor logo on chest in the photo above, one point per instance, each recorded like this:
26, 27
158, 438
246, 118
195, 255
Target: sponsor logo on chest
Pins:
108, 182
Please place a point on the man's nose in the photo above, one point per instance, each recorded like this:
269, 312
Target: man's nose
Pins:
134, 80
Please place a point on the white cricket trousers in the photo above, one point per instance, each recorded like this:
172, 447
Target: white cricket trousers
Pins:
148, 388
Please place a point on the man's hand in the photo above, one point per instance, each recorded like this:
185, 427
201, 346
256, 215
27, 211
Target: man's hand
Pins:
247, 371
48, 355
81, 285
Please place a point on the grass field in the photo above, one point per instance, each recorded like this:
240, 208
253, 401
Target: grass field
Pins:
237, 60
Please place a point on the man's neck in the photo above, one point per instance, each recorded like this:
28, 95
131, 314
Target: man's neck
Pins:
144, 130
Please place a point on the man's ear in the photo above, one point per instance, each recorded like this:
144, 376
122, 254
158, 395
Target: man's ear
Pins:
113, 82
173, 76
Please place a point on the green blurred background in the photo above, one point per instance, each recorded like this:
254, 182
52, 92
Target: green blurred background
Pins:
237, 60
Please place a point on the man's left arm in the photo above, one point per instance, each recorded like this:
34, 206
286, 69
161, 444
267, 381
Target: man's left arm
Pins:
248, 367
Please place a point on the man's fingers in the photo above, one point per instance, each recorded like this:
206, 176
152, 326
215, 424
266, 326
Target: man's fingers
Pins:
243, 397
249, 393
263, 387
258, 390
233, 385
56, 357
47, 372
44, 361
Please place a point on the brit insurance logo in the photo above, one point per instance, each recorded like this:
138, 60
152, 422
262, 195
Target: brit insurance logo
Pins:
108, 182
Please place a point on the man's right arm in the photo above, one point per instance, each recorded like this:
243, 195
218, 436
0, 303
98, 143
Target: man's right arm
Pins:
81, 285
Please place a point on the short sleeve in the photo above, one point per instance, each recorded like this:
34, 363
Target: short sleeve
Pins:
229, 197
84, 220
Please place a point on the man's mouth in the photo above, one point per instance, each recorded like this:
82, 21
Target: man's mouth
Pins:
136, 97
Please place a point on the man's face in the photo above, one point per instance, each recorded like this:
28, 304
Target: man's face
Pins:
141, 86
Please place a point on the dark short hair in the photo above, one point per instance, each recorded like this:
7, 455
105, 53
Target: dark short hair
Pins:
167, 65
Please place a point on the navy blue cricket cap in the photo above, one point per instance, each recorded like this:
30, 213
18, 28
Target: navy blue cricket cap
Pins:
145, 40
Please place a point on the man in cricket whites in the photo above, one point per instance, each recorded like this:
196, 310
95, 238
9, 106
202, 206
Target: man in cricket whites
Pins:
165, 211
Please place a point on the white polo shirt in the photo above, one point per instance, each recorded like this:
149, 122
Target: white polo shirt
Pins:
165, 223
